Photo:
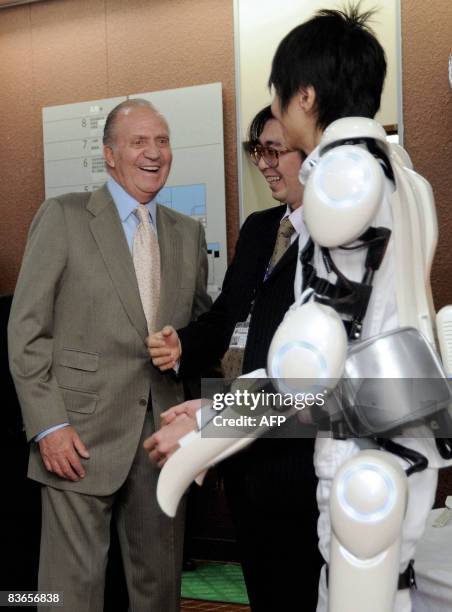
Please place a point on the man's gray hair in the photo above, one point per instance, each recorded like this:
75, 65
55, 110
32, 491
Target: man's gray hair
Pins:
123, 107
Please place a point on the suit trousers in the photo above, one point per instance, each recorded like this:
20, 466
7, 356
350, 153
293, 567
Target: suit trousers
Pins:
270, 489
75, 539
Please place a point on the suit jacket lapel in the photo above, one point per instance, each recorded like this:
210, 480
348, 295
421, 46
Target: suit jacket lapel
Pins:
108, 233
171, 264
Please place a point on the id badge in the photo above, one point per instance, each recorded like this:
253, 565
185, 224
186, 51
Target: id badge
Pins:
240, 334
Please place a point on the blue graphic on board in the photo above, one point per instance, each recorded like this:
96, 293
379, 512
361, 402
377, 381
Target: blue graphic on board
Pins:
187, 199
191, 200
213, 248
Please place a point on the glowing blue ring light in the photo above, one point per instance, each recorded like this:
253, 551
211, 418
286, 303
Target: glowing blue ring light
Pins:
297, 344
367, 517
358, 179
345, 188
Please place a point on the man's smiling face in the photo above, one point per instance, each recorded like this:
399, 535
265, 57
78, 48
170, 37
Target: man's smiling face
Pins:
140, 157
282, 180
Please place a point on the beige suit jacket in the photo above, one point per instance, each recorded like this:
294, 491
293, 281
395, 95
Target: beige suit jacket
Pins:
77, 330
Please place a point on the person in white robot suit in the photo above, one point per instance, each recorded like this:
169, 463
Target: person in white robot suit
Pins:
320, 79
331, 453
320, 54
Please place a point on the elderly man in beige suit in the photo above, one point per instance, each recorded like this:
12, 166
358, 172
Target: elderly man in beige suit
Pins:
101, 271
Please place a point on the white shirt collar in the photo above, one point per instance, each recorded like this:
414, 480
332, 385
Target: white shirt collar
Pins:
125, 203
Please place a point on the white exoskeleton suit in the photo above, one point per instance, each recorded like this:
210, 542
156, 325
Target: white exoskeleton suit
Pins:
363, 329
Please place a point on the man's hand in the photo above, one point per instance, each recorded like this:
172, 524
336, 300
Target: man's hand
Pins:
190, 408
163, 443
60, 452
164, 348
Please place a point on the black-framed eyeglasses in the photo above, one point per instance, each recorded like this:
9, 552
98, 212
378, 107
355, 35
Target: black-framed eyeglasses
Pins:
268, 154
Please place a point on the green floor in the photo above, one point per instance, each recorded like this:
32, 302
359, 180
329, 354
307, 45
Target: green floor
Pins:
215, 582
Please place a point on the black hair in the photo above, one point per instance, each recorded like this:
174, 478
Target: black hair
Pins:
337, 54
257, 125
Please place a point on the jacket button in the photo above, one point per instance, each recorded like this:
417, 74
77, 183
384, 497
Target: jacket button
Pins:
143, 402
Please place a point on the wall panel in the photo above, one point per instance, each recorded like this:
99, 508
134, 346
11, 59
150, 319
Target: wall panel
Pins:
17, 139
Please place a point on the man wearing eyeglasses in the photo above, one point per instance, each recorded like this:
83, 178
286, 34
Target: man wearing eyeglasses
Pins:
275, 518
205, 341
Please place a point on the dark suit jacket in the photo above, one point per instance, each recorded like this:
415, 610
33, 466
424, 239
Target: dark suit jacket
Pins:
206, 340
271, 485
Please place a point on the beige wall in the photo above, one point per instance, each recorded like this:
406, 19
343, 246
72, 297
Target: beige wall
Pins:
427, 110
65, 51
